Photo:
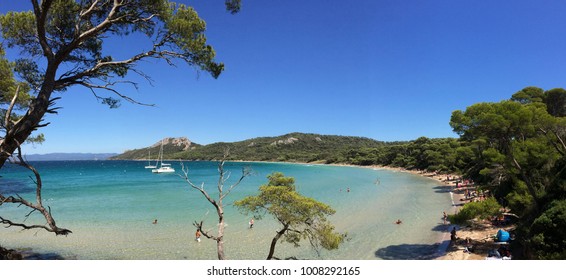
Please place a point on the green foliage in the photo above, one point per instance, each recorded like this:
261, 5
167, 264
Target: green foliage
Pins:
233, 6
556, 102
300, 217
529, 95
9, 84
186, 30
548, 232
554, 99
8, 87
19, 29
516, 149
476, 210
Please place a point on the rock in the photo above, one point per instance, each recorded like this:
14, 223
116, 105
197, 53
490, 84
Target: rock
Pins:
287, 141
183, 142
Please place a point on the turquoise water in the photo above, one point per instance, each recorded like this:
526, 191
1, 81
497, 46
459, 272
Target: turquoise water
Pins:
110, 206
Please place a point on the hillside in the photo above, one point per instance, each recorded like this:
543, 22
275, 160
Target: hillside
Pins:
297, 147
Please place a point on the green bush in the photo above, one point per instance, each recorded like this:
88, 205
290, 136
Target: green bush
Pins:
473, 210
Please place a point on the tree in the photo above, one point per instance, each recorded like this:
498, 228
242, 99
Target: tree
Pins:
62, 45
217, 203
510, 135
14, 96
556, 102
528, 95
300, 217
518, 150
554, 99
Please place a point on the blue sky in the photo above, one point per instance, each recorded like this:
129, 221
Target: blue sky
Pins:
388, 70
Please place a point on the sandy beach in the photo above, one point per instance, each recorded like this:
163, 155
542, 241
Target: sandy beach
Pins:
480, 236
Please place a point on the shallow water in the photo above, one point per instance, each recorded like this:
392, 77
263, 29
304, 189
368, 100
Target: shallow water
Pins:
110, 206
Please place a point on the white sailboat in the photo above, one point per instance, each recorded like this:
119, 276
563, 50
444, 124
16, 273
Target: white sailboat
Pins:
149, 165
163, 167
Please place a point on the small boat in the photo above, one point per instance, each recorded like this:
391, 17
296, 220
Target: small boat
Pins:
163, 167
149, 165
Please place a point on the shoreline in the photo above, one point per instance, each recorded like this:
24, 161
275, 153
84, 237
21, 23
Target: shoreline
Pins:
445, 247
480, 235
447, 250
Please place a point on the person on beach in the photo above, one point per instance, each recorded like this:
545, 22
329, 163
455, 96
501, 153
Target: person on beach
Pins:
154, 222
251, 223
444, 216
453, 234
197, 235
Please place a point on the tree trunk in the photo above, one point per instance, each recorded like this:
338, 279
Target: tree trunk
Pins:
18, 134
274, 241
220, 238
530, 186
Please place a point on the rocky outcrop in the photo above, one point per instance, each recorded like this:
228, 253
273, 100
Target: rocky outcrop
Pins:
287, 141
182, 142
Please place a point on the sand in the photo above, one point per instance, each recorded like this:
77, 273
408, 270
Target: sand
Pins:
480, 236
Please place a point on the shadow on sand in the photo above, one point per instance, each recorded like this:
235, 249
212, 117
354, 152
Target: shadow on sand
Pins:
30, 255
442, 189
409, 252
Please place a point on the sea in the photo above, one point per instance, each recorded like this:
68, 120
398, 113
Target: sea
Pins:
110, 207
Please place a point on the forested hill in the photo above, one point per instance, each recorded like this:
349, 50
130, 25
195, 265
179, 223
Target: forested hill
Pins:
298, 147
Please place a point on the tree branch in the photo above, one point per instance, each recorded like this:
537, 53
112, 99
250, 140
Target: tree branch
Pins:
91, 9
561, 142
246, 171
9, 223
530, 187
7, 121
80, 38
200, 189
206, 234
41, 15
52, 227
560, 151
101, 66
108, 88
